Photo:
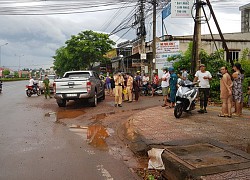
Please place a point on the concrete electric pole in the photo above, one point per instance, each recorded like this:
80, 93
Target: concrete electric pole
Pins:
154, 38
195, 63
142, 34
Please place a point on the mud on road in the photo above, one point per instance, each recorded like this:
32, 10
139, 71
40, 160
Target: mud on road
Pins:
101, 126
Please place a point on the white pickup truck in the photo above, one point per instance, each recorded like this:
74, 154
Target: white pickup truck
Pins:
77, 85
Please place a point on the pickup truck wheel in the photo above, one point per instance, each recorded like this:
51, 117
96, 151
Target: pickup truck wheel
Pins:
93, 101
61, 103
103, 96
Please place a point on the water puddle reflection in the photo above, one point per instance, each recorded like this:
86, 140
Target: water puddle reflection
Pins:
95, 134
65, 114
69, 114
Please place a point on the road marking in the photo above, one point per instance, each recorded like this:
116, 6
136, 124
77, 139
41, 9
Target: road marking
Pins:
104, 172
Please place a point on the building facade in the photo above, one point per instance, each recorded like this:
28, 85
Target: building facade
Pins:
245, 18
236, 43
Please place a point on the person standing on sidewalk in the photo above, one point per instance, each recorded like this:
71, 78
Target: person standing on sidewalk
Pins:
238, 77
145, 83
165, 85
46, 87
119, 82
204, 77
184, 74
136, 86
129, 87
225, 93
248, 94
155, 83
112, 82
108, 84
173, 86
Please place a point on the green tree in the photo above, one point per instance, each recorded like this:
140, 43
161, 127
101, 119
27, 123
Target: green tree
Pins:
6, 72
245, 64
16, 75
213, 64
245, 61
183, 60
82, 51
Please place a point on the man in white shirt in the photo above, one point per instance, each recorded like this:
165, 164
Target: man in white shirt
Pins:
31, 81
204, 77
145, 82
165, 85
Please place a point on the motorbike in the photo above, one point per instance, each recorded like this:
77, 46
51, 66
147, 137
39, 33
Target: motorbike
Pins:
185, 97
1, 86
157, 90
30, 90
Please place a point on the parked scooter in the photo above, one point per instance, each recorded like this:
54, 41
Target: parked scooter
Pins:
185, 97
157, 90
1, 86
30, 90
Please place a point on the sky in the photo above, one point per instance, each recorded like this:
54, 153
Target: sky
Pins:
33, 39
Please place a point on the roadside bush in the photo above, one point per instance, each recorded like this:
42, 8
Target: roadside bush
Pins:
13, 79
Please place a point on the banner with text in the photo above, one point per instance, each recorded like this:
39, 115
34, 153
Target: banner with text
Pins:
181, 8
164, 50
167, 46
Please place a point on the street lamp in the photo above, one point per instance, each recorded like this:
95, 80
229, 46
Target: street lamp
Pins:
1, 51
19, 60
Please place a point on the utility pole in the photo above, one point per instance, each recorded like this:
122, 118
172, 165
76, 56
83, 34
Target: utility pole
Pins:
153, 67
1, 52
142, 34
196, 38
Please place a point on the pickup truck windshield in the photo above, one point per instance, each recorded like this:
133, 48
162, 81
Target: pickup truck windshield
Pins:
77, 75
49, 77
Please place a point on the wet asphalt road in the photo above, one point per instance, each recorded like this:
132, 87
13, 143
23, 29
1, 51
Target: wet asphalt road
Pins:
34, 146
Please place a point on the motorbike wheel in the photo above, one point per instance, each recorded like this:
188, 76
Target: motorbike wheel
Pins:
178, 110
38, 92
28, 93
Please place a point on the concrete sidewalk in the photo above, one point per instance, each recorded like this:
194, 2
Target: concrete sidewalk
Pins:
197, 146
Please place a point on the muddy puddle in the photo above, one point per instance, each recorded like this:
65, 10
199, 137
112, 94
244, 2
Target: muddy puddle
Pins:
95, 135
69, 114
65, 114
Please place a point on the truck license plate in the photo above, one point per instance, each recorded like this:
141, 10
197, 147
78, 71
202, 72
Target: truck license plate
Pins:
71, 95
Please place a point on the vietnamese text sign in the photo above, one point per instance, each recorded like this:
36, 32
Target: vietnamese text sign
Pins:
161, 61
162, 58
181, 8
167, 46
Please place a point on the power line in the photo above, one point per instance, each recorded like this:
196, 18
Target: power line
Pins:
123, 35
55, 13
59, 9
107, 23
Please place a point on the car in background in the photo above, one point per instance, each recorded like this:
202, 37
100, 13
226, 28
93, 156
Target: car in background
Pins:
52, 78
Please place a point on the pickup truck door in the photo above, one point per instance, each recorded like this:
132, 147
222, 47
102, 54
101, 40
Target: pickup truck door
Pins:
99, 83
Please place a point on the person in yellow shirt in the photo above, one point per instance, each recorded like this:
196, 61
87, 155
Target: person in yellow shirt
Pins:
119, 82
129, 87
